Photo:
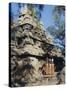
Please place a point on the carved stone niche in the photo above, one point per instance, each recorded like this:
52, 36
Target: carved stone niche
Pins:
19, 42
27, 27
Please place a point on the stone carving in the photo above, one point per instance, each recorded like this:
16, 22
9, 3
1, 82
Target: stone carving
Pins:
33, 55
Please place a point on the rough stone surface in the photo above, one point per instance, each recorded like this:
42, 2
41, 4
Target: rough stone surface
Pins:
33, 55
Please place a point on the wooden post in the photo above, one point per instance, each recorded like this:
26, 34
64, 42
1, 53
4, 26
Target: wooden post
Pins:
47, 67
52, 66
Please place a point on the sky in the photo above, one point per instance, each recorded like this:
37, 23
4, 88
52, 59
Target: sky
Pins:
47, 17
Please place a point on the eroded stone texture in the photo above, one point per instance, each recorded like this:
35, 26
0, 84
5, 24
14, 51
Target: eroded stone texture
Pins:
35, 60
